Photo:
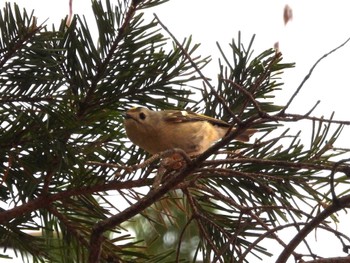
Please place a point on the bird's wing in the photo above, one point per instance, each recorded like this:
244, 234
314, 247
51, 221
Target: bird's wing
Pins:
187, 116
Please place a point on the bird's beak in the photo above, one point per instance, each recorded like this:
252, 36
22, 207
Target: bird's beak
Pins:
127, 116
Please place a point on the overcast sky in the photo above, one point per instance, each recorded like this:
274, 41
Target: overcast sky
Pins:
317, 27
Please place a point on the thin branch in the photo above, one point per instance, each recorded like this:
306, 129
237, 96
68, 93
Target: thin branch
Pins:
282, 227
342, 202
262, 237
288, 164
6, 99
194, 65
282, 112
296, 225
177, 259
330, 260
45, 201
296, 117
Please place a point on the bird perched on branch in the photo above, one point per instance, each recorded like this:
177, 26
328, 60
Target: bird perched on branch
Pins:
157, 131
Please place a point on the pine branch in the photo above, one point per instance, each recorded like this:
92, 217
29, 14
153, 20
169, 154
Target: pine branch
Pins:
45, 201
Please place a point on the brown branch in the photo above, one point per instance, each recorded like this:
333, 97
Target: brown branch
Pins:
6, 99
46, 201
296, 117
282, 227
341, 203
330, 260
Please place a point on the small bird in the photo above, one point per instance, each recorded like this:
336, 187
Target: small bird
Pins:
157, 131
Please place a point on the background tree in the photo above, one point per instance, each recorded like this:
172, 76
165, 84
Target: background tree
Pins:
69, 172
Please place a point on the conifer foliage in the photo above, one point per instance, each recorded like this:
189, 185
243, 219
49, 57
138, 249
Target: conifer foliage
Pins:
74, 189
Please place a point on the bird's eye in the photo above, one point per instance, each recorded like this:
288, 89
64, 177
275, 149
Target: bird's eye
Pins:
142, 116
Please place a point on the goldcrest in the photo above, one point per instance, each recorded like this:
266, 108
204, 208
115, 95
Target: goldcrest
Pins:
157, 131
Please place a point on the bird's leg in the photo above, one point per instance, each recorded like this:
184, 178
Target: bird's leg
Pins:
173, 160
